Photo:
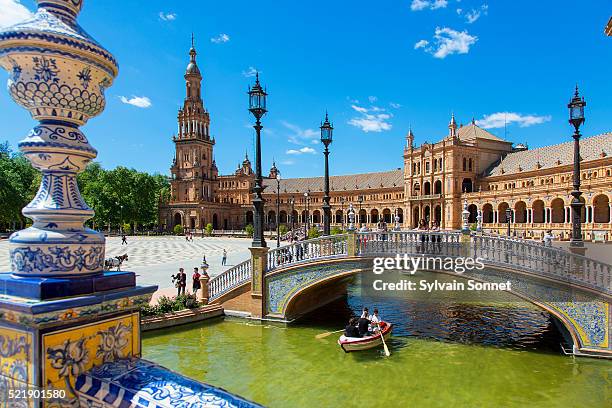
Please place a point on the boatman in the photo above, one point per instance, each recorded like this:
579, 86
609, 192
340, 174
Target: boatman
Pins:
375, 318
363, 325
351, 330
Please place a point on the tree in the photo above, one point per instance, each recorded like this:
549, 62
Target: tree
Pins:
209, 229
283, 229
19, 182
178, 229
313, 233
249, 230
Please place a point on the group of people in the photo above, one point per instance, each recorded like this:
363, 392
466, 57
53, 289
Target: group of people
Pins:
180, 279
363, 326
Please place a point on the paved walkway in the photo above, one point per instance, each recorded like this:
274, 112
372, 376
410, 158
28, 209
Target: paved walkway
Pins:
154, 259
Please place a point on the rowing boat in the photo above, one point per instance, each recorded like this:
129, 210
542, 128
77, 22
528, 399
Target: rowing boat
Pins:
349, 344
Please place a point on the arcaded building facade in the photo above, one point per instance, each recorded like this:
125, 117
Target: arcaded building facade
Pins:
467, 164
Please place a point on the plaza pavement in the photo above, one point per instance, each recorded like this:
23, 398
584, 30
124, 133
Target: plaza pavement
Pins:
154, 259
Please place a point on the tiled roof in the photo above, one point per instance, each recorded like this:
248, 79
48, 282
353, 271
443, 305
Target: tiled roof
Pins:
472, 132
385, 179
591, 148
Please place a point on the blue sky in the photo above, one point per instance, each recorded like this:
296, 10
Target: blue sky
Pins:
378, 67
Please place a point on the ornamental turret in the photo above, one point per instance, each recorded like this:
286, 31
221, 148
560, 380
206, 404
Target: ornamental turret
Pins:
273, 171
452, 127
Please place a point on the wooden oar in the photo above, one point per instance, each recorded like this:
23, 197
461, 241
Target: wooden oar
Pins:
323, 335
387, 353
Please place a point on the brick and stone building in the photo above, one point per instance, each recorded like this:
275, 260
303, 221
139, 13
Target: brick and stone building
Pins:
467, 163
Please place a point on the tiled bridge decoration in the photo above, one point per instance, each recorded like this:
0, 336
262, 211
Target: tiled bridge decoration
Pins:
573, 288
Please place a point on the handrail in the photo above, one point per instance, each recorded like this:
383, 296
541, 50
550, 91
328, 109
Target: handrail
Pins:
309, 250
230, 279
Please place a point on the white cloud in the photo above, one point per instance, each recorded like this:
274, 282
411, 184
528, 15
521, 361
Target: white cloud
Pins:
302, 150
300, 136
287, 162
13, 12
421, 44
474, 14
418, 5
500, 119
221, 38
447, 42
395, 105
167, 16
459, 11
250, 72
138, 101
372, 99
373, 119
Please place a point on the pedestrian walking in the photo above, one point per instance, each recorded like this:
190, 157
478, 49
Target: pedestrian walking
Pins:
180, 281
196, 280
124, 239
224, 259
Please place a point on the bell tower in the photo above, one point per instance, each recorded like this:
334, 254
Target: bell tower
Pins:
193, 170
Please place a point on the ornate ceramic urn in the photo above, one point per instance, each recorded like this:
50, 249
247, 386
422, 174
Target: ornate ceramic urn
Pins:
59, 74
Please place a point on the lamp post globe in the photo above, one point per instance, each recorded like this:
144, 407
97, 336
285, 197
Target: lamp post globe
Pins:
576, 119
257, 106
327, 131
278, 180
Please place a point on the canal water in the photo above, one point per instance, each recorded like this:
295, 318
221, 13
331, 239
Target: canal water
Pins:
447, 350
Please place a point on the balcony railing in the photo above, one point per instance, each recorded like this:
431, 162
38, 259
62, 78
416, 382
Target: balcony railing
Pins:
309, 250
230, 279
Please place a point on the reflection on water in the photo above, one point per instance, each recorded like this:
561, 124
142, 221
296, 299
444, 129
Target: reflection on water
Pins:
447, 351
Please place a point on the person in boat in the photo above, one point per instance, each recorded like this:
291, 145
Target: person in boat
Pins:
365, 313
375, 318
363, 326
351, 330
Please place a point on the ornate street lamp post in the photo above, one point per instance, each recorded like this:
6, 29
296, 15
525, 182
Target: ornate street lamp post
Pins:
342, 206
326, 138
292, 201
576, 118
307, 224
278, 179
360, 200
257, 106
508, 218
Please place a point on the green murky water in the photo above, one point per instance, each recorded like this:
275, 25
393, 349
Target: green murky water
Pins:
445, 352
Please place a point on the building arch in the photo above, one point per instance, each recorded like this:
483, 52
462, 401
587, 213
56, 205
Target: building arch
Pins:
427, 214
316, 216
249, 217
339, 217
374, 216
473, 209
557, 210
416, 216
520, 212
601, 208
215, 222
282, 217
438, 214
538, 211
363, 216
400, 214
387, 215
177, 219
438, 187
271, 217
427, 188
487, 213
466, 185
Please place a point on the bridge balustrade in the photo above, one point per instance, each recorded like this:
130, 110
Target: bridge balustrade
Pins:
535, 258
409, 242
230, 279
309, 250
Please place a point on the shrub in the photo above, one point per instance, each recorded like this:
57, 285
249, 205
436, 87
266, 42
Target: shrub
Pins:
336, 230
165, 304
148, 310
473, 227
178, 229
127, 229
249, 230
283, 229
209, 229
313, 233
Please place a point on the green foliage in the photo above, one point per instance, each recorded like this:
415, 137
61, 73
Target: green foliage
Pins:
473, 227
178, 229
209, 229
127, 229
283, 229
313, 233
166, 304
106, 191
18, 184
336, 231
249, 230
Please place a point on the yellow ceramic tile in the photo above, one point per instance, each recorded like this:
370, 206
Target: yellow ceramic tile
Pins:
16, 354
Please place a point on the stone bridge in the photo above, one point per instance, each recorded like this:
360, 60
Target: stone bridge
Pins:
284, 283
